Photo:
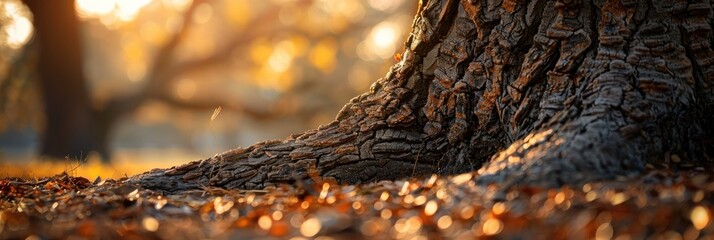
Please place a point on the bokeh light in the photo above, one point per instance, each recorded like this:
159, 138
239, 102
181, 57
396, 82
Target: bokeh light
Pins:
699, 217
381, 42
310, 227
203, 13
18, 28
178, 5
110, 10
88, 8
186, 88
282, 56
385, 5
296, 62
384, 35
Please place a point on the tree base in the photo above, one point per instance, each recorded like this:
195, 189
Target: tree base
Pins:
542, 93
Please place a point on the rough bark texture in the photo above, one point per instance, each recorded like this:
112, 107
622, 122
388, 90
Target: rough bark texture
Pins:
525, 92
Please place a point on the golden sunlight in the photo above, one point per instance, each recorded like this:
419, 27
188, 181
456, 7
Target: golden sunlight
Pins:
385, 5
281, 58
127, 9
203, 13
351, 10
380, 43
699, 217
93, 8
322, 55
178, 5
185, 88
19, 29
108, 10
384, 34
272, 61
237, 12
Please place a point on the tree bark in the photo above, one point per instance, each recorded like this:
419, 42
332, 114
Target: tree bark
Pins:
70, 127
524, 92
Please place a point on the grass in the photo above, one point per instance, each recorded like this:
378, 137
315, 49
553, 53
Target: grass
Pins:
124, 163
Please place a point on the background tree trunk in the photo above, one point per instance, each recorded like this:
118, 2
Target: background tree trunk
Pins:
76, 126
526, 92
70, 128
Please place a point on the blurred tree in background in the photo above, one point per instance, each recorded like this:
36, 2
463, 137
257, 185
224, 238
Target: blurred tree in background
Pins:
139, 74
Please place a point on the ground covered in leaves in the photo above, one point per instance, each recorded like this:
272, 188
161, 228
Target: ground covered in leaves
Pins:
667, 205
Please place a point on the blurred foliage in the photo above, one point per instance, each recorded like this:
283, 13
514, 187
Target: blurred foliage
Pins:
300, 60
16, 98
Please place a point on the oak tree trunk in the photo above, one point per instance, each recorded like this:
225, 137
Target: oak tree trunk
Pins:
523, 92
71, 127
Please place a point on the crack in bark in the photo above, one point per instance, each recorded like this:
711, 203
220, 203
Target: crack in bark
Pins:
596, 91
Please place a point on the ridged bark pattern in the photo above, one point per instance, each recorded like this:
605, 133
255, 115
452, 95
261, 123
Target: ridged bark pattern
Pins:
525, 92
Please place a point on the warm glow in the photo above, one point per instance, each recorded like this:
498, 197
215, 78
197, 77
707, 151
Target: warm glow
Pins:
203, 13
604, 232
152, 33
185, 89
444, 222
359, 77
18, 32
268, 78
90, 8
462, 178
260, 50
150, 224
127, 9
265, 222
380, 43
19, 28
237, 12
384, 5
618, 198
280, 51
384, 34
110, 10
281, 58
411, 225
498, 208
350, 10
178, 5
699, 217
386, 214
431, 208
492, 226
310, 227
323, 54
135, 56
135, 72
222, 206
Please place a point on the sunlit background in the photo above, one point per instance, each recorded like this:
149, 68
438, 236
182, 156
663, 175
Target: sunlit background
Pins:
295, 62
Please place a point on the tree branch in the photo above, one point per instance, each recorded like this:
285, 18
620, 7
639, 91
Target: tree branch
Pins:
163, 71
121, 105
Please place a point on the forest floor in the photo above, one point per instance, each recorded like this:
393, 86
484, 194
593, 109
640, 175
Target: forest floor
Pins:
659, 205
